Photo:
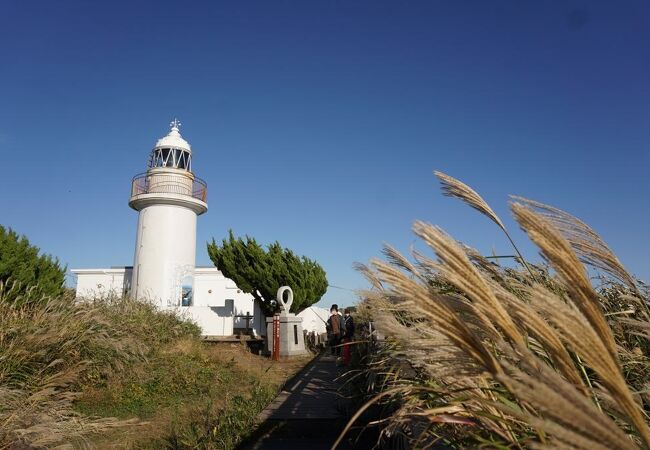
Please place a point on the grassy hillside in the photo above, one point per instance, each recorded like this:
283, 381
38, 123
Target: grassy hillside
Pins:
117, 373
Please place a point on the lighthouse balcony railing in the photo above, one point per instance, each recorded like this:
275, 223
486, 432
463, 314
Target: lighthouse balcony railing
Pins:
145, 183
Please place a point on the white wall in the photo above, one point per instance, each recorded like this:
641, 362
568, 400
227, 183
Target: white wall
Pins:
214, 290
213, 320
209, 287
165, 253
216, 299
96, 283
260, 320
314, 319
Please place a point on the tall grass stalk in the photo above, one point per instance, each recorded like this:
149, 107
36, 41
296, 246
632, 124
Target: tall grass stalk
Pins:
538, 358
452, 187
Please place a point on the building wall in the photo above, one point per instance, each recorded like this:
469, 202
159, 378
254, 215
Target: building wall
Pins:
216, 299
314, 318
223, 298
209, 288
213, 320
101, 283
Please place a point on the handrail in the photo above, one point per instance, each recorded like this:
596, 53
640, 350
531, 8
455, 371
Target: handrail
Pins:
153, 183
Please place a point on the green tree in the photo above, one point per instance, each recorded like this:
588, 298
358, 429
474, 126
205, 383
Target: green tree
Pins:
26, 274
261, 272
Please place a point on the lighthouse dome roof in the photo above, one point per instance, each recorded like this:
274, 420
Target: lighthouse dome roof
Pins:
174, 138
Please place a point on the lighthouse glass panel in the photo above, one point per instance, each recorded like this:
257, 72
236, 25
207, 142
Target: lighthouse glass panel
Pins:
166, 157
170, 157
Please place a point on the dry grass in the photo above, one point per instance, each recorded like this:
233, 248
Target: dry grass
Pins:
195, 395
46, 351
117, 373
509, 358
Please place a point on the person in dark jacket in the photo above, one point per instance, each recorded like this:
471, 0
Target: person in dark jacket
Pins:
348, 323
335, 330
348, 320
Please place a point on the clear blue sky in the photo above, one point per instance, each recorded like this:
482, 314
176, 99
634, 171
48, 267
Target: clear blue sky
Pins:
319, 123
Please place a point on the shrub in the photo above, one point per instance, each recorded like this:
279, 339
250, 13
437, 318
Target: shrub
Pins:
33, 276
262, 272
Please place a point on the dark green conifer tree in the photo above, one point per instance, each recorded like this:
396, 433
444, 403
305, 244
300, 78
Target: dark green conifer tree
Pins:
24, 273
261, 272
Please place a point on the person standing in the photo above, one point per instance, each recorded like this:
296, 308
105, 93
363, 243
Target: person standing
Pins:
348, 324
335, 327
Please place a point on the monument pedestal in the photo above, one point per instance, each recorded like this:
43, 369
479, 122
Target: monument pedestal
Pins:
292, 341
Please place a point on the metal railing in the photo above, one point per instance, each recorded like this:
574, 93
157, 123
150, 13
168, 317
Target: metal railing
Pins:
146, 183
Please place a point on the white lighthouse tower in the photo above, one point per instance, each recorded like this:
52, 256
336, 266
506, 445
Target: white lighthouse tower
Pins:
168, 198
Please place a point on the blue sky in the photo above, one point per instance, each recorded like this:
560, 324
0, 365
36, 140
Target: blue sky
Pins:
319, 123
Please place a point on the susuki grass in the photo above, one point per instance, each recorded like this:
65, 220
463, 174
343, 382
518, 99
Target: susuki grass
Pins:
119, 373
47, 350
545, 356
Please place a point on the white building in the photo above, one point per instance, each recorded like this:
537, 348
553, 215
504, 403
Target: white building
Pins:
314, 318
169, 198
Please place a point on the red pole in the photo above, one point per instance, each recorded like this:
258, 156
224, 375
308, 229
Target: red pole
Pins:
276, 337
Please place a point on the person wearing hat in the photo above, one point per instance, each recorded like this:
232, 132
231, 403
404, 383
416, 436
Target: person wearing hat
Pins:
335, 330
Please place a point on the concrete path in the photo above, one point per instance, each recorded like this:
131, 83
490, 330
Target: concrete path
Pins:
312, 395
307, 414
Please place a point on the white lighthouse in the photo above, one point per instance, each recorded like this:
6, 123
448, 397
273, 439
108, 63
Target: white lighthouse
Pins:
168, 197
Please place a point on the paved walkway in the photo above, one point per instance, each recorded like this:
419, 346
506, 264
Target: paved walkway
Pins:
307, 414
311, 396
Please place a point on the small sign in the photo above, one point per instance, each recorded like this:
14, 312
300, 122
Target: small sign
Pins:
276, 337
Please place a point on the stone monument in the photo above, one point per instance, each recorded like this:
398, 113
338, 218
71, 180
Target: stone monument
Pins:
292, 342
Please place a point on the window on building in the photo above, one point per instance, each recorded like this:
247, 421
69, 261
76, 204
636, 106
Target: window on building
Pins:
186, 297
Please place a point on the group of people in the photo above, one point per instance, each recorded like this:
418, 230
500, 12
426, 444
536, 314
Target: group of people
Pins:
340, 332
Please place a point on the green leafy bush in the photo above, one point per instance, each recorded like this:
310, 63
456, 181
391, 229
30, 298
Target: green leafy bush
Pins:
27, 274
